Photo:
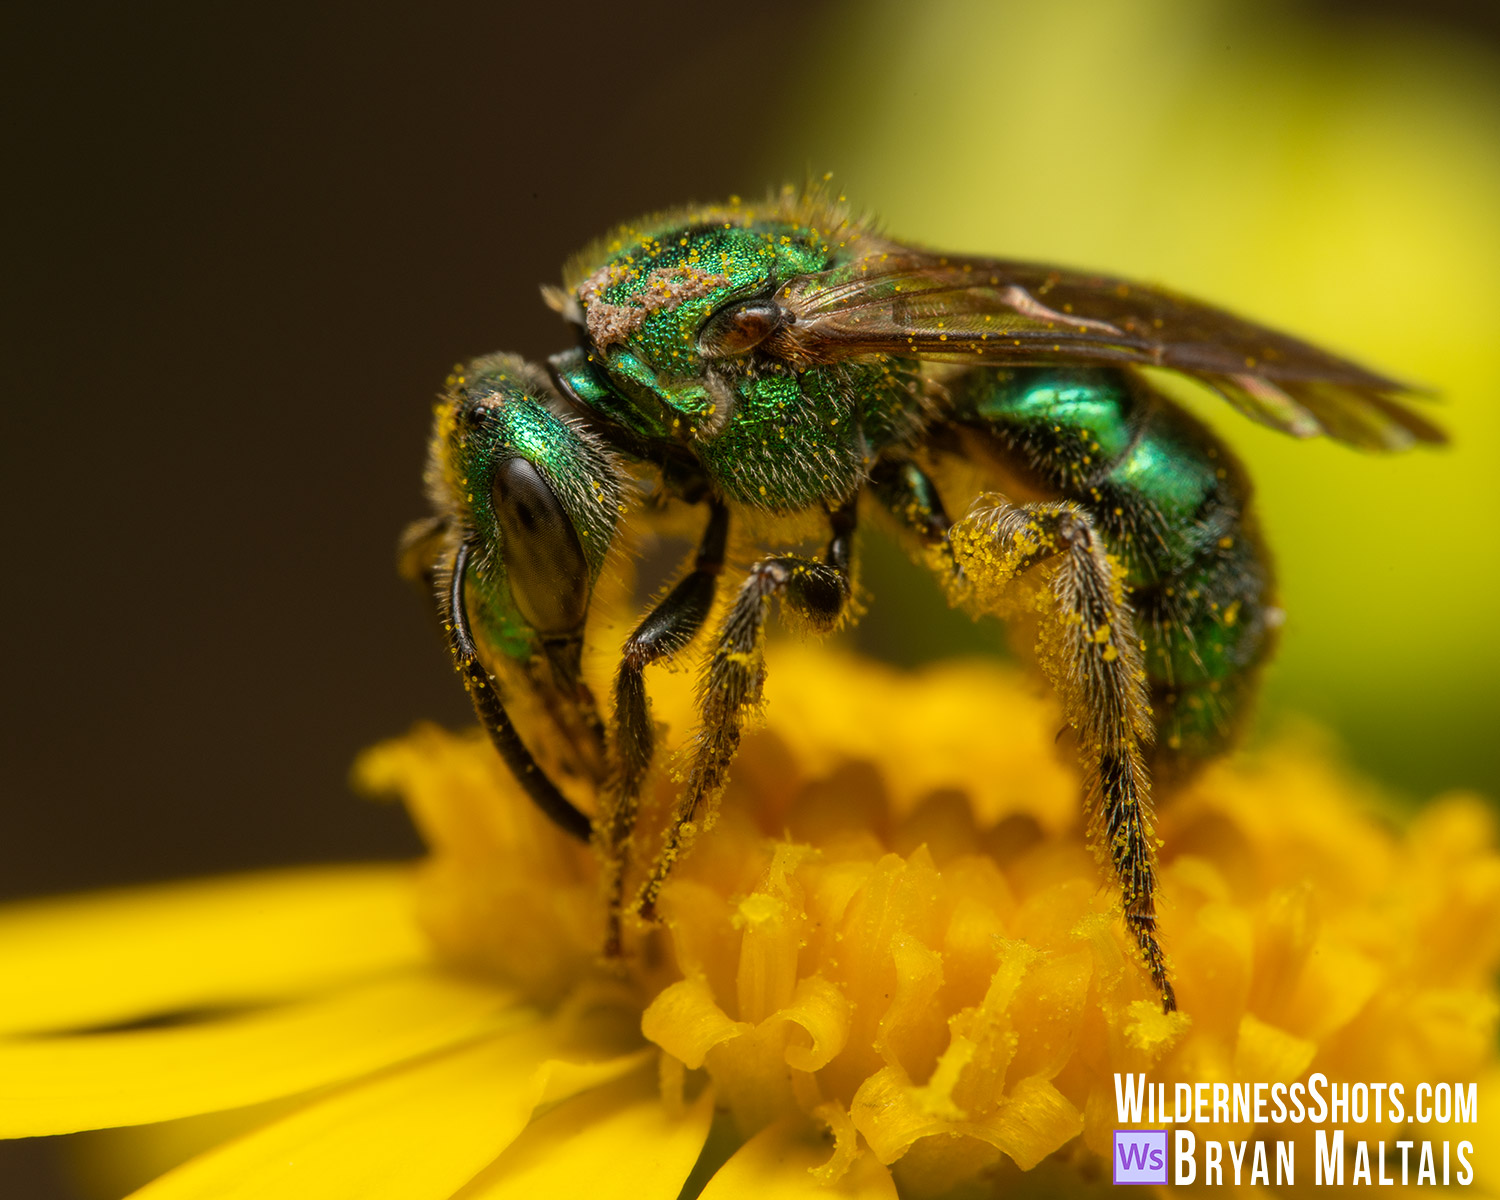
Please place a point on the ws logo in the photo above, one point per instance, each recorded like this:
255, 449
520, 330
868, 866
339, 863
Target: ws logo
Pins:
1141, 1156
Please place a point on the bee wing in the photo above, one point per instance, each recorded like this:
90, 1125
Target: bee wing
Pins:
988, 311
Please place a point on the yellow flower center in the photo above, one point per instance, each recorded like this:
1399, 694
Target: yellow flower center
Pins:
897, 929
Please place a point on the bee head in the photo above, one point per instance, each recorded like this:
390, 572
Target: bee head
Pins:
671, 310
539, 498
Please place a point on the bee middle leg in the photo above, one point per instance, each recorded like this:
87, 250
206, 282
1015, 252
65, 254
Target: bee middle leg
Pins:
909, 494
1088, 648
669, 627
818, 591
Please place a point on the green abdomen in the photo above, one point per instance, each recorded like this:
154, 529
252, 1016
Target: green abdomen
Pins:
1172, 505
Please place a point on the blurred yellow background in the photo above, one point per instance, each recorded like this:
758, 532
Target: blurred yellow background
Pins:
1336, 179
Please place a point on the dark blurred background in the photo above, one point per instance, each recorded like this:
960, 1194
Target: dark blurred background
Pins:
243, 246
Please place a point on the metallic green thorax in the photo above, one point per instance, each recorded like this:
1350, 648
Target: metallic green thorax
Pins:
769, 437
1172, 507
495, 409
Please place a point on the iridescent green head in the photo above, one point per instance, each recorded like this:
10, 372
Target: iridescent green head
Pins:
539, 497
665, 300
681, 316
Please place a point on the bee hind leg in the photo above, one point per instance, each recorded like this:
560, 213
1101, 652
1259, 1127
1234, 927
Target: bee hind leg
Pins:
1089, 650
668, 628
819, 592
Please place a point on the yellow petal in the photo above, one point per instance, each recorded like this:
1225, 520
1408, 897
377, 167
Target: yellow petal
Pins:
778, 1164
1036, 1120
419, 1133
112, 956
823, 1012
1264, 1052
616, 1141
888, 1111
64, 1084
1032, 1121
685, 1022
108, 1163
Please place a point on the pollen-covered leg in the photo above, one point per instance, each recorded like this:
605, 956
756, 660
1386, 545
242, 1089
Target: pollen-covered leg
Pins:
1089, 650
819, 593
669, 627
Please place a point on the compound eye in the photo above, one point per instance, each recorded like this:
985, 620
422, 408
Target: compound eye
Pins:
539, 547
739, 328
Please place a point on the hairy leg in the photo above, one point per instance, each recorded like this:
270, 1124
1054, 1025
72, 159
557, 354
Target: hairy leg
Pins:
668, 628
1089, 650
817, 591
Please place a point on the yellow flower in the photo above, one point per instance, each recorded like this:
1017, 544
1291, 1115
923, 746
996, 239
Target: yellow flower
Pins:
891, 968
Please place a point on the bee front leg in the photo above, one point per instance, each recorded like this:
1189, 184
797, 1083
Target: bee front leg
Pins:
1089, 650
669, 627
449, 575
817, 591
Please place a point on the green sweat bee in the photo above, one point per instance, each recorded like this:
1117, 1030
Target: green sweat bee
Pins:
764, 361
